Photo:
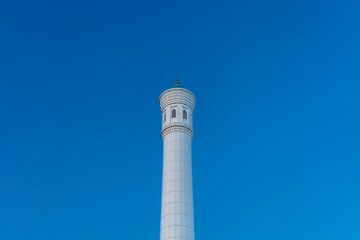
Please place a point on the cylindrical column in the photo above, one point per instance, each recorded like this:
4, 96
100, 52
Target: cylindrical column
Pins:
177, 217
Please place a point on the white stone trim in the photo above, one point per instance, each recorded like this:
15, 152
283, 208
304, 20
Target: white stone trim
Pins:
177, 128
177, 96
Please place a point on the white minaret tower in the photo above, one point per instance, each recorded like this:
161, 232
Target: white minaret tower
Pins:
177, 215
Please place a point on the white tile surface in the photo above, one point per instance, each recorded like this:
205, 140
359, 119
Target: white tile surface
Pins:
177, 201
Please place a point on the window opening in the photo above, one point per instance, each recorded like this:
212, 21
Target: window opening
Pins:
173, 113
184, 114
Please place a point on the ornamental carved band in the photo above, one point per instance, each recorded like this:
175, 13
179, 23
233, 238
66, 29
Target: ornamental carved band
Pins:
177, 128
177, 96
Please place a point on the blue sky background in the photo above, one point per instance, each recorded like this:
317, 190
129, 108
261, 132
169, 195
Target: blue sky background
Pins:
276, 152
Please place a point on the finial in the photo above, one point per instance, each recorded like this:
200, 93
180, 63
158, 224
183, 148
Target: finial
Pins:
176, 81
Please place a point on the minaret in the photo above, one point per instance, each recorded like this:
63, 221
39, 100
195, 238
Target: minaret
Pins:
177, 215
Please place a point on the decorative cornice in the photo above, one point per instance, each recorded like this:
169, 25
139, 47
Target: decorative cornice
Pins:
177, 128
176, 96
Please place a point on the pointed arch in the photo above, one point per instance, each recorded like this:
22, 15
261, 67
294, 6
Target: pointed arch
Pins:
185, 116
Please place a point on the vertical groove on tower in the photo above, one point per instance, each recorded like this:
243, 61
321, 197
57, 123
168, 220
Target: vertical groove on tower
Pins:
177, 216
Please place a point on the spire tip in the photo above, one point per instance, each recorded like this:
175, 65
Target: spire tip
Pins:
176, 81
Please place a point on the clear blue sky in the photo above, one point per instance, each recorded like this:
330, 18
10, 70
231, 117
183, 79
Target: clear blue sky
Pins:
276, 151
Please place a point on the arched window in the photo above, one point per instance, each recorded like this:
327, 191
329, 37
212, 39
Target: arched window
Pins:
164, 117
184, 114
173, 113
